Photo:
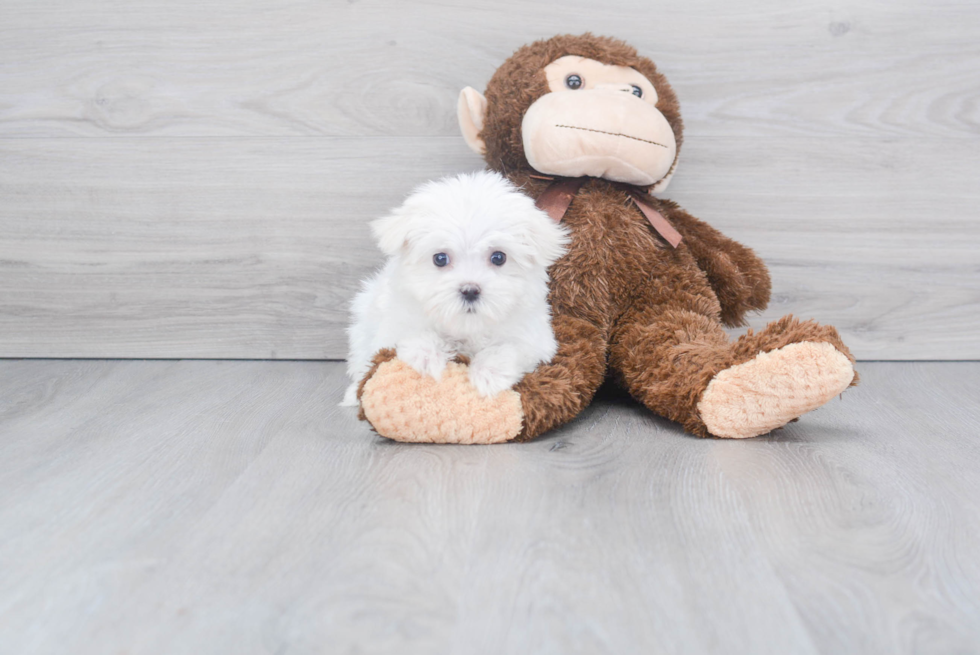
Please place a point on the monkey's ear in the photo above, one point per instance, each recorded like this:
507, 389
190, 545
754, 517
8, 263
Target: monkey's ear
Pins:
470, 110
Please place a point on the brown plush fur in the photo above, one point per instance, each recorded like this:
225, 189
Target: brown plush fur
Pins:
621, 297
623, 300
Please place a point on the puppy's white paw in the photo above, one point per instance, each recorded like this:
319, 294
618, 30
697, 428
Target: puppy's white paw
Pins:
489, 380
427, 356
350, 396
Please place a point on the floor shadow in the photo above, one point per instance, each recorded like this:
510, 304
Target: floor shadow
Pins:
610, 392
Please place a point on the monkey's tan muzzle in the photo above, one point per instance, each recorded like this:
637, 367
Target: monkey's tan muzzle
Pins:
599, 133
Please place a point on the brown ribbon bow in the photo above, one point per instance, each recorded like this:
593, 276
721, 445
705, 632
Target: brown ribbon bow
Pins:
558, 196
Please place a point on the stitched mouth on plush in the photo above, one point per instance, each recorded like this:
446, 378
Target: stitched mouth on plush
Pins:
628, 136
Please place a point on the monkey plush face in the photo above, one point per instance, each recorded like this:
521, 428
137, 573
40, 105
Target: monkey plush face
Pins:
598, 120
573, 106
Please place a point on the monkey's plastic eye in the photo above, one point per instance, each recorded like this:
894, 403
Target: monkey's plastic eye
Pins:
498, 258
637, 91
440, 259
573, 81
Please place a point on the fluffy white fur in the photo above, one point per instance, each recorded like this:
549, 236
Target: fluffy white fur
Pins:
419, 309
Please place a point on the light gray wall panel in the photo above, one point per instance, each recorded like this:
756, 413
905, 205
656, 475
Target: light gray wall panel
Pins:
250, 248
242, 248
193, 179
368, 67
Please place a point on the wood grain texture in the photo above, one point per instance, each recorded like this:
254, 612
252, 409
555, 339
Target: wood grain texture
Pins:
367, 67
251, 248
232, 155
164, 507
215, 248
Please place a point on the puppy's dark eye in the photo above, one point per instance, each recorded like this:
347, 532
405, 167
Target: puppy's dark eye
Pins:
498, 258
573, 81
637, 91
440, 259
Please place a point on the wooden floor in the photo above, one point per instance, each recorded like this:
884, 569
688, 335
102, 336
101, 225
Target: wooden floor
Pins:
231, 507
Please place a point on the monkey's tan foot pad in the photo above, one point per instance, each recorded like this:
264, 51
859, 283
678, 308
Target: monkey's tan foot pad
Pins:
403, 405
773, 388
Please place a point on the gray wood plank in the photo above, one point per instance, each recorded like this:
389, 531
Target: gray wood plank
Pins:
163, 507
838, 70
251, 248
213, 248
838, 140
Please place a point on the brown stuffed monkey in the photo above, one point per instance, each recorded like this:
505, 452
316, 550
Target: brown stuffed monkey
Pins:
588, 127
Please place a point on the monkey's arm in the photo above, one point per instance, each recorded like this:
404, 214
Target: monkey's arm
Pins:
737, 275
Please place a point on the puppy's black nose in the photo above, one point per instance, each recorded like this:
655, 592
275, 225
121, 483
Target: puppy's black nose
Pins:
470, 292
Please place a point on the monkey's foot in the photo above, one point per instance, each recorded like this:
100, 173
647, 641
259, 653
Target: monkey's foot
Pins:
773, 388
403, 405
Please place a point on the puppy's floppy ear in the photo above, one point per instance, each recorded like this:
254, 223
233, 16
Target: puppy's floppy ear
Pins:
392, 231
546, 238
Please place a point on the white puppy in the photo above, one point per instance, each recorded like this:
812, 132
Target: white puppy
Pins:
466, 274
